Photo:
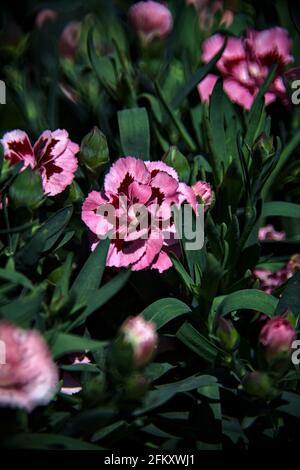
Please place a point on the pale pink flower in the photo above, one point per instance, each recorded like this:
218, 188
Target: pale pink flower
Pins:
53, 156
133, 186
45, 15
270, 280
207, 10
69, 40
269, 233
276, 337
203, 193
150, 20
29, 377
142, 337
245, 64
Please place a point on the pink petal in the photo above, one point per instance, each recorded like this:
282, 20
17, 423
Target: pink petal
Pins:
129, 253
188, 195
55, 158
139, 192
238, 93
96, 222
166, 184
206, 86
155, 167
153, 247
273, 41
126, 167
17, 147
162, 263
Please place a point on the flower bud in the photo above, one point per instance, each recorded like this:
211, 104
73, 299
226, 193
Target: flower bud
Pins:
69, 40
136, 386
28, 376
135, 345
259, 384
227, 334
142, 337
94, 152
276, 338
293, 265
150, 20
203, 193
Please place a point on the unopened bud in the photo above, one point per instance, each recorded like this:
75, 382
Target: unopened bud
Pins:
94, 152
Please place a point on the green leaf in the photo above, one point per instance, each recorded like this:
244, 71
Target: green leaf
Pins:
216, 119
174, 158
26, 190
135, 132
62, 286
43, 239
194, 79
15, 278
164, 393
23, 309
290, 299
91, 274
249, 299
164, 310
65, 344
100, 296
281, 209
198, 343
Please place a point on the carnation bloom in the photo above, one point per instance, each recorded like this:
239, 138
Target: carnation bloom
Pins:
203, 193
45, 15
269, 233
142, 337
53, 156
136, 207
245, 64
69, 40
276, 337
28, 377
150, 20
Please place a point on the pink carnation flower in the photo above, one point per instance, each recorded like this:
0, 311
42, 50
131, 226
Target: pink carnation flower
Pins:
69, 40
245, 64
150, 20
269, 233
28, 376
142, 337
53, 156
44, 16
131, 188
276, 337
203, 193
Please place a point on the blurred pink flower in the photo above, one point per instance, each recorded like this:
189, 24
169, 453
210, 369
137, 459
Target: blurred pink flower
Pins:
134, 188
69, 40
269, 233
203, 193
142, 337
276, 337
271, 280
245, 64
29, 377
207, 10
53, 156
45, 15
150, 20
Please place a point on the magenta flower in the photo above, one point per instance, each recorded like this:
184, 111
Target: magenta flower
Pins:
276, 337
245, 64
53, 156
269, 233
28, 376
134, 192
69, 40
150, 20
203, 193
44, 16
270, 280
142, 337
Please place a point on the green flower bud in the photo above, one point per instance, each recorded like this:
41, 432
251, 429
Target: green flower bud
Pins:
227, 334
259, 384
94, 153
